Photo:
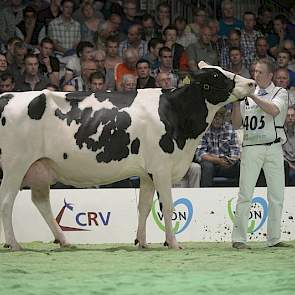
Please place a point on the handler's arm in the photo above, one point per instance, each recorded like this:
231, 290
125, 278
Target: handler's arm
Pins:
236, 116
268, 106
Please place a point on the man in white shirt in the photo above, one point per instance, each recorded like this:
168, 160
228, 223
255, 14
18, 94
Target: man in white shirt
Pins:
262, 115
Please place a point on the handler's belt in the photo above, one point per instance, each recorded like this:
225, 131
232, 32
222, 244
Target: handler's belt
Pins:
277, 140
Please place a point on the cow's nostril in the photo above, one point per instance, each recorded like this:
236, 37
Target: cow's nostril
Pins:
251, 84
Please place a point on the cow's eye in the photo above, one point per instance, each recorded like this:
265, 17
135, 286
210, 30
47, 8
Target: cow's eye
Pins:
215, 75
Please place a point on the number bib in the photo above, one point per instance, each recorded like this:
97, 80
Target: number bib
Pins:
259, 127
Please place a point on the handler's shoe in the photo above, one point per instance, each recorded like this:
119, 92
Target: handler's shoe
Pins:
240, 246
282, 245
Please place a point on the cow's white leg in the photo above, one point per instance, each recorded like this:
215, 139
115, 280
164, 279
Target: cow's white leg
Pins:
40, 197
163, 186
144, 208
9, 188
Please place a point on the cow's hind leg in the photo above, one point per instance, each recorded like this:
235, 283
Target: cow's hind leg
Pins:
10, 186
144, 207
41, 199
163, 187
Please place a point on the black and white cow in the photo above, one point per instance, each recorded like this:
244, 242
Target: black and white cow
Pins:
84, 139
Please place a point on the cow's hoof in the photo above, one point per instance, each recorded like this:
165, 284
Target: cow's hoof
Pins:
140, 245
173, 246
15, 247
56, 241
6, 246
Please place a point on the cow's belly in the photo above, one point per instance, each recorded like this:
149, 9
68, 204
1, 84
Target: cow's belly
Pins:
80, 173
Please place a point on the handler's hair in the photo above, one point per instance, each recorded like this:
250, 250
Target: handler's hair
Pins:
270, 64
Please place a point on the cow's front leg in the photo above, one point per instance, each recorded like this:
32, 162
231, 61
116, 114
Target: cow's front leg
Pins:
40, 197
163, 186
144, 208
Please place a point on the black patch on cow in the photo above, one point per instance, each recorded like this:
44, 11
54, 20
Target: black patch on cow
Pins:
135, 146
151, 176
184, 111
65, 156
3, 121
118, 99
77, 95
36, 107
74, 114
4, 99
113, 142
0, 151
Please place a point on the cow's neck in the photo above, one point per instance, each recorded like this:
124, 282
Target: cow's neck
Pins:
184, 113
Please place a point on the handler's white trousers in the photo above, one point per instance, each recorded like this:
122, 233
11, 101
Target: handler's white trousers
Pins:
270, 159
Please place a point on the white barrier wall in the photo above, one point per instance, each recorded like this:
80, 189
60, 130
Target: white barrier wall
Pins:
110, 215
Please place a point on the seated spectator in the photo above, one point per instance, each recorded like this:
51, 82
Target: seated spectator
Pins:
233, 40
130, 17
97, 81
202, 50
154, 45
18, 64
170, 35
166, 65
163, 80
3, 63
162, 17
236, 62
128, 82
264, 22
100, 58
64, 30
6, 82
217, 42
112, 53
290, 46
90, 22
184, 37
84, 51
228, 22
148, 27
48, 64
249, 36
144, 80
261, 51
279, 34
80, 15
283, 58
31, 79
128, 66
29, 28
289, 146
281, 79
134, 41
10, 16
200, 16
219, 151
82, 82
46, 15
252, 69
10, 49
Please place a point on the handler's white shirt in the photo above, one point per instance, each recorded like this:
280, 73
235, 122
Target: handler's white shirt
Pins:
259, 126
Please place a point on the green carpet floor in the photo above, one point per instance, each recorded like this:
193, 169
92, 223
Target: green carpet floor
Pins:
201, 268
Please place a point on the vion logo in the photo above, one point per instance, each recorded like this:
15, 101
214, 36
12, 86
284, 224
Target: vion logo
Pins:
258, 213
181, 217
82, 219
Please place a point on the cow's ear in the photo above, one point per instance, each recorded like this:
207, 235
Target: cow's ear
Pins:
202, 64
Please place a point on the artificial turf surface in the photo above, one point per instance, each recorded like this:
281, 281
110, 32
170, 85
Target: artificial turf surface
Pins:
201, 268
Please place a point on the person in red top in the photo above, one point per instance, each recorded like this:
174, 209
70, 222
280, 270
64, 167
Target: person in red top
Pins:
128, 66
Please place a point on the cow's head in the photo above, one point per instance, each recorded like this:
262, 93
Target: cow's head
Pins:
219, 85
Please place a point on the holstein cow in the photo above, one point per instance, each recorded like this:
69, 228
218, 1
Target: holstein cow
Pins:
84, 139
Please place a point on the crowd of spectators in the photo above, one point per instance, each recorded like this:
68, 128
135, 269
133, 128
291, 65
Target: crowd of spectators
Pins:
72, 45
